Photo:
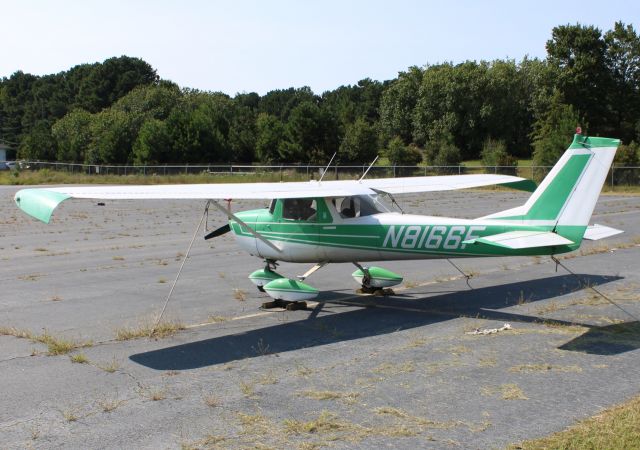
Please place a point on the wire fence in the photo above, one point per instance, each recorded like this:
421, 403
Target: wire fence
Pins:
618, 175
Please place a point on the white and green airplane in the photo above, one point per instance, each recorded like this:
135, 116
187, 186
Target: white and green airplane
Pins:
324, 222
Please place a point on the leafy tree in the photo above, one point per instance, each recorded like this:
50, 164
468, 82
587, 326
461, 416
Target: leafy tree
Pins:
281, 102
199, 127
269, 137
105, 83
400, 154
627, 156
398, 103
111, 138
360, 143
38, 143
553, 133
623, 62
242, 134
153, 144
150, 101
348, 103
16, 95
72, 134
310, 134
249, 100
579, 52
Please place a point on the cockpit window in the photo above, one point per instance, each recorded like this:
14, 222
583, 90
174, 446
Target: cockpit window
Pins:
358, 206
299, 209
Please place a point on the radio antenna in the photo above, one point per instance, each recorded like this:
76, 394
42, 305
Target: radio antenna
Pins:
368, 168
327, 168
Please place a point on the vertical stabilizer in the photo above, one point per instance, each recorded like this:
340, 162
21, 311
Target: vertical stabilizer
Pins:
565, 199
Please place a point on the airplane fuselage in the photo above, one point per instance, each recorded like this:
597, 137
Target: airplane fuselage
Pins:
376, 237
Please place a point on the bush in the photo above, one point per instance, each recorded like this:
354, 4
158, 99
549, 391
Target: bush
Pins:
627, 156
402, 155
496, 158
448, 155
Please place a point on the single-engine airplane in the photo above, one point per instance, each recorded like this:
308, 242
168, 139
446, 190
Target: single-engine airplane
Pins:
324, 222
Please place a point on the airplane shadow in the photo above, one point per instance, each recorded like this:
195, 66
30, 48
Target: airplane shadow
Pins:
607, 340
384, 315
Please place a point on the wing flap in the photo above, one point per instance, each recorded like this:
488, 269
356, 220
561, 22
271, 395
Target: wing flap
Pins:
517, 240
596, 232
446, 183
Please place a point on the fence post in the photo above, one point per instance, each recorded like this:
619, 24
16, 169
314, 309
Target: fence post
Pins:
612, 169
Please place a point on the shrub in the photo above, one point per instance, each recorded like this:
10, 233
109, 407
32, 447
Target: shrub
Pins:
496, 158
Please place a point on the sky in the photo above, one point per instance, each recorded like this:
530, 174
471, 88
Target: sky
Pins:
257, 46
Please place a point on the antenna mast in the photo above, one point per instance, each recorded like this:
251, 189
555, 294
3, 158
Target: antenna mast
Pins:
327, 168
368, 168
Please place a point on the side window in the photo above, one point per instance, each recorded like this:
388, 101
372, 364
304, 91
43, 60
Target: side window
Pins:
299, 209
355, 206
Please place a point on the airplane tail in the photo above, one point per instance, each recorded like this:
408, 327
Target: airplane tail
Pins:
566, 198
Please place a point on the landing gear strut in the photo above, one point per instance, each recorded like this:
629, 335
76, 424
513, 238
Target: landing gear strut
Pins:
264, 276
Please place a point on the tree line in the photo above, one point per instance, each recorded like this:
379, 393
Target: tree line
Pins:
120, 111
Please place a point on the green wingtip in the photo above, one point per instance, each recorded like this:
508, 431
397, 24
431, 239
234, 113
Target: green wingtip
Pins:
39, 203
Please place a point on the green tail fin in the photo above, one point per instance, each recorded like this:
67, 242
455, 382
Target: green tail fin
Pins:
568, 194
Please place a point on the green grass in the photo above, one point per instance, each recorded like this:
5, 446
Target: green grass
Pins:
146, 329
47, 176
56, 345
616, 427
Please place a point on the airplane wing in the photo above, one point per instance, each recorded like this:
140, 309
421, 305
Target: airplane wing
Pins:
517, 240
41, 202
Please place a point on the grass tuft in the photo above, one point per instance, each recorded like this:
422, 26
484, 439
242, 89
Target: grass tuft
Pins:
79, 358
330, 395
544, 367
512, 391
211, 400
56, 345
162, 330
240, 295
326, 422
616, 427
111, 366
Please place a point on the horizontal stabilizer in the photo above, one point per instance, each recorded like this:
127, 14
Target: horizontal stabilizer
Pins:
517, 240
596, 232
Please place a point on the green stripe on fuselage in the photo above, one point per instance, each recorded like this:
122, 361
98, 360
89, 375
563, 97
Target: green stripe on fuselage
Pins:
429, 240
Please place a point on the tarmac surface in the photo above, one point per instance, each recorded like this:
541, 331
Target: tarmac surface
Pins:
350, 372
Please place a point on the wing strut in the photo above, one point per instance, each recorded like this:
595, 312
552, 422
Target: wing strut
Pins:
232, 216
